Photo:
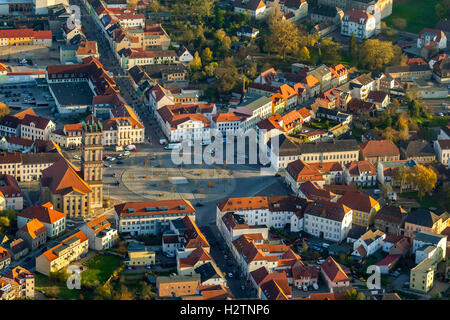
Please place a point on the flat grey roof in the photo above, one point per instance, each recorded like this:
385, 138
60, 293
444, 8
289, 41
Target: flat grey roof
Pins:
72, 93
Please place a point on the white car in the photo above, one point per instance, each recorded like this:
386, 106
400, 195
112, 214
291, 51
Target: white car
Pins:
230, 275
315, 286
170, 255
112, 159
305, 288
107, 165
77, 157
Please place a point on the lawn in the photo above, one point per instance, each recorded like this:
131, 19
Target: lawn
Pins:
54, 289
434, 121
418, 14
100, 268
435, 201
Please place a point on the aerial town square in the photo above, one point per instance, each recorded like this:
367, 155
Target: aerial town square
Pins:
224, 150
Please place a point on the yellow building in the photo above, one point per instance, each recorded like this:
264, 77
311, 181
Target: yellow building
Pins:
364, 207
140, 255
278, 103
422, 275
63, 254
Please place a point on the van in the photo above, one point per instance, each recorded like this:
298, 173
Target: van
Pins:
171, 146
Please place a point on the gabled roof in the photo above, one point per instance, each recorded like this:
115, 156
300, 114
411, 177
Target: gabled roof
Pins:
34, 228
194, 237
51, 254
422, 217
327, 209
62, 178
301, 171
357, 16
21, 115
379, 148
44, 213
388, 260
333, 270
357, 168
358, 201
198, 255
392, 214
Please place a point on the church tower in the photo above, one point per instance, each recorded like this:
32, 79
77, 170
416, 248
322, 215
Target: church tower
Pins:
91, 161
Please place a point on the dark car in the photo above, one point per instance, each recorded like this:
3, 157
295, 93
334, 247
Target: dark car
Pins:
119, 162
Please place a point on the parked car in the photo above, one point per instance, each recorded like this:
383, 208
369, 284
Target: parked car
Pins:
230, 275
305, 288
315, 286
170, 255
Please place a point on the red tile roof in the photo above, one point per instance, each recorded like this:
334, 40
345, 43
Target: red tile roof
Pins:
300, 171
358, 201
127, 209
196, 256
355, 15
51, 255
327, 209
9, 186
62, 178
357, 168
34, 228
374, 148
388, 260
333, 270
98, 224
44, 213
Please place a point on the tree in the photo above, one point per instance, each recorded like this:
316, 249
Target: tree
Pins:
275, 14
440, 10
147, 292
404, 134
125, 294
210, 69
390, 134
351, 294
220, 34
219, 18
385, 190
353, 49
4, 222
330, 51
304, 54
360, 296
197, 10
422, 178
304, 247
414, 108
400, 176
196, 63
283, 38
4, 110
376, 54
393, 107
399, 23
226, 75
207, 55
103, 292
412, 93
